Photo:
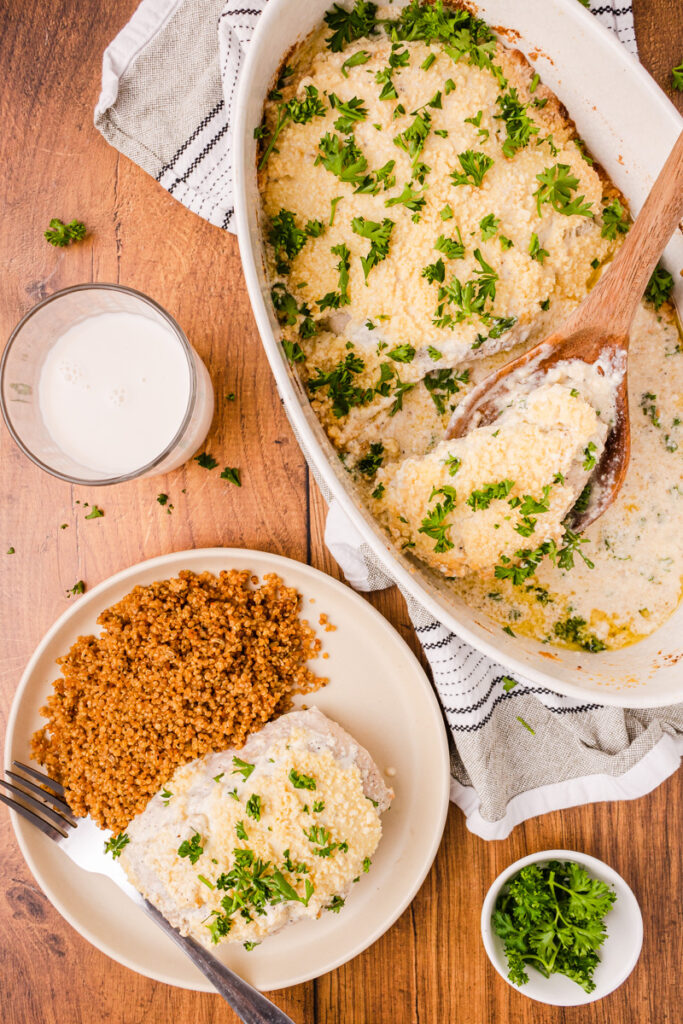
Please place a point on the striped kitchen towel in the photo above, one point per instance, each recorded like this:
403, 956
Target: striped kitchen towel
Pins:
168, 86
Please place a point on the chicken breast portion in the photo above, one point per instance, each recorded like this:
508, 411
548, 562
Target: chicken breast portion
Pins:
241, 843
483, 502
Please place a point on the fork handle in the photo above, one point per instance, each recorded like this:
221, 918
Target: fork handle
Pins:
250, 1005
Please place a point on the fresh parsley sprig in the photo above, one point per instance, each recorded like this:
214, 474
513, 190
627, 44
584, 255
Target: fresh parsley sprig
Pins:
551, 917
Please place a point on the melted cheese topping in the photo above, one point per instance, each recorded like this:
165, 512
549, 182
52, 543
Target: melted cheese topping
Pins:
384, 372
327, 835
537, 448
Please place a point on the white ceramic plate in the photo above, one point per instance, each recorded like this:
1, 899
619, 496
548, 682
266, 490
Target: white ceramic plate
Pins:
630, 126
618, 955
377, 691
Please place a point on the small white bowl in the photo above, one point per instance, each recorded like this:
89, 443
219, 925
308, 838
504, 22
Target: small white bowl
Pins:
618, 954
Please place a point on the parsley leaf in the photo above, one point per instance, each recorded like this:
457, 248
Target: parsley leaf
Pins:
342, 391
300, 111
301, 781
192, 849
518, 125
232, 474
474, 166
614, 220
242, 768
350, 112
286, 239
205, 460
372, 460
115, 845
379, 235
556, 186
61, 235
347, 26
659, 288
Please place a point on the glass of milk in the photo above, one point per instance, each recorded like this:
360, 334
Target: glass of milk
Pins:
98, 384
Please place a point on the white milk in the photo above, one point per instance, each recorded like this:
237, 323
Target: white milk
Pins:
114, 390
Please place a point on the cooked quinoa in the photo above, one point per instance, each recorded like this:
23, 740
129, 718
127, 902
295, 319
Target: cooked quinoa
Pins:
181, 668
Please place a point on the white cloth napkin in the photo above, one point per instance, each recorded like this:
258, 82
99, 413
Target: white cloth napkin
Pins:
168, 87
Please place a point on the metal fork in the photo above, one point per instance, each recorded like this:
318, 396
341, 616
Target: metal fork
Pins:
41, 801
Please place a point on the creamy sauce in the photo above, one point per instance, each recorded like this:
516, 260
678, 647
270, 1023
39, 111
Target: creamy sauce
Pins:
384, 370
114, 390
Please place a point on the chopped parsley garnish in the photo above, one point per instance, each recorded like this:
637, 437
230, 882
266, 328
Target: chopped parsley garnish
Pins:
240, 831
551, 917
614, 220
526, 725
451, 247
434, 353
78, 588
372, 460
342, 391
166, 796
61, 235
677, 77
206, 461
217, 778
205, 881
535, 250
402, 353
254, 807
162, 498
412, 140
556, 186
300, 111
508, 682
232, 474
453, 463
366, 864
95, 513
347, 26
442, 383
589, 460
581, 503
378, 492
483, 133
318, 806
333, 300
446, 213
488, 226
573, 631
379, 235
648, 403
481, 499
434, 524
320, 837
505, 243
336, 904
410, 198
333, 208
251, 886
350, 112
301, 781
435, 272
659, 288
192, 848
249, 945
518, 125
474, 166
115, 845
343, 158
286, 239
361, 57
242, 768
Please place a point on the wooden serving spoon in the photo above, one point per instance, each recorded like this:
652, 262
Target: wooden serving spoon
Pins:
598, 327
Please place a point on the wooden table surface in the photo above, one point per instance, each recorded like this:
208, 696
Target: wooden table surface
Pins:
431, 966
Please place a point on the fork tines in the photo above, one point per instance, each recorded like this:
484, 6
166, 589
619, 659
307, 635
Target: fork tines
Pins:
43, 805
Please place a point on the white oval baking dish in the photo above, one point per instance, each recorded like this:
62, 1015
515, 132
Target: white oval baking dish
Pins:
630, 127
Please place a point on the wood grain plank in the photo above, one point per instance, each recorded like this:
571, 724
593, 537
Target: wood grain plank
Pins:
430, 967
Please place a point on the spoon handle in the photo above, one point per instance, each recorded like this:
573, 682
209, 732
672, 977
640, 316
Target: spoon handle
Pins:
614, 300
